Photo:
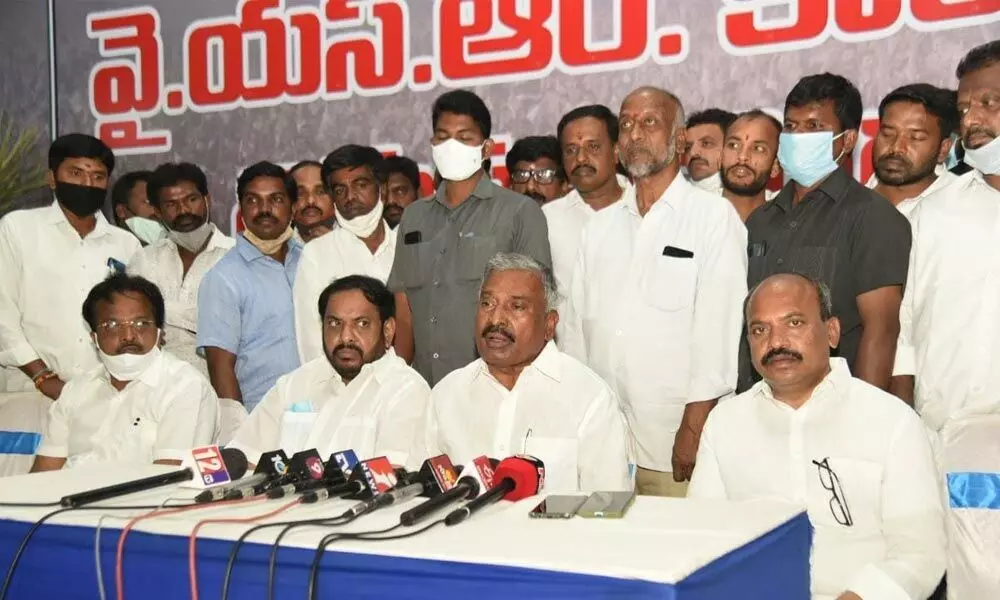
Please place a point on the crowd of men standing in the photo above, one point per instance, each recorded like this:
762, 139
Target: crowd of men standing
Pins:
595, 315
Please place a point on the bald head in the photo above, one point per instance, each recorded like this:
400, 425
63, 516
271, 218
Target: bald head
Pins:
791, 332
651, 129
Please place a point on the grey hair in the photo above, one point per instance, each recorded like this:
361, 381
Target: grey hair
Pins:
511, 261
821, 289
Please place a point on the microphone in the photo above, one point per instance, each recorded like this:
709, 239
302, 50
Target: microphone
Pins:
377, 478
476, 478
519, 477
332, 475
350, 488
271, 465
345, 460
303, 466
223, 466
436, 475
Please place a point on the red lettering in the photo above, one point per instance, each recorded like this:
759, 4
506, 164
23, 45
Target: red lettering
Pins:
745, 27
215, 77
121, 86
851, 16
948, 10
272, 30
307, 55
630, 42
527, 50
374, 67
127, 137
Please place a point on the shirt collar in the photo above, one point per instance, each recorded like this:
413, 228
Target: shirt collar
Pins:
250, 253
835, 187
836, 381
381, 369
483, 190
547, 363
678, 189
939, 182
57, 216
218, 240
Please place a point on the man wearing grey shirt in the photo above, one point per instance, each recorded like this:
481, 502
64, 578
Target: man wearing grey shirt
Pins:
444, 241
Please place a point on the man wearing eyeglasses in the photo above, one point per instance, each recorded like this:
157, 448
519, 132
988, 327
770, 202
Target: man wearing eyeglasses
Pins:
142, 405
536, 169
811, 433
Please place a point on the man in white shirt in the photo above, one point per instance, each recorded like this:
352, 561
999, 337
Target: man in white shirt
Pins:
588, 138
812, 434
655, 302
358, 395
50, 258
142, 405
947, 363
524, 396
702, 155
312, 208
750, 160
178, 262
912, 145
362, 245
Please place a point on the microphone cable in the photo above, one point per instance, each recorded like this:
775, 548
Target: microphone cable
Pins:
9, 577
193, 538
365, 536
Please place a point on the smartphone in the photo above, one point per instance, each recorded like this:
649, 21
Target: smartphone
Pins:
607, 505
557, 507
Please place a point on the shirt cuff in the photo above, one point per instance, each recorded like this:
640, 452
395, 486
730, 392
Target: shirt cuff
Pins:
53, 451
905, 362
206, 342
169, 454
871, 582
19, 355
700, 392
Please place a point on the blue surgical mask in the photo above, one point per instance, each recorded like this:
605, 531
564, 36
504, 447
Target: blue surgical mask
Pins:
808, 157
985, 159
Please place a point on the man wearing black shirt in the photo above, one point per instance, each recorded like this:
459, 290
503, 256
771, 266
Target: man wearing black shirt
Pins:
826, 225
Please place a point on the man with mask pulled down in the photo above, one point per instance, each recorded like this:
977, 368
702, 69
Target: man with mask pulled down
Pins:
246, 323
362, 245
141, 405
826, 225
178, 262
50, 258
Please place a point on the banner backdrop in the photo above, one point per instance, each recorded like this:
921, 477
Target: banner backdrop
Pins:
225, 84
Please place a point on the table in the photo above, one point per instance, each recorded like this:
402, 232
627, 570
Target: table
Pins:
664, 549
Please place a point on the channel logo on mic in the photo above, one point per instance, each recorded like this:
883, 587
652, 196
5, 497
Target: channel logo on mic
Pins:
208, 462
379, 475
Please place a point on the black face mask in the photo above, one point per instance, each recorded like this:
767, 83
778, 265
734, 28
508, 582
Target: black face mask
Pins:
81, 200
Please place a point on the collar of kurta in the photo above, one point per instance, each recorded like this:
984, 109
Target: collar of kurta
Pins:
671, 196
483, 190
547, 363
57, 216
835, 384
379, 369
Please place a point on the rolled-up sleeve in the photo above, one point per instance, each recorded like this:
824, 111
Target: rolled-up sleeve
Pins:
718, 311
15, 350
219, 320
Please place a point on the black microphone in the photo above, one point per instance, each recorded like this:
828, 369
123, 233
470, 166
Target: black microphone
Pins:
476, 478
332, 475
270, 465
519, 477
303, 466
351, 488
234, 463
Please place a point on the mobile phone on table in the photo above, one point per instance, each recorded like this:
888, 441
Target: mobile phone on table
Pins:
607, 505
557, 507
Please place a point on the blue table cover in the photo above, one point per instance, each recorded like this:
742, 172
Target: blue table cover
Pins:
59, 563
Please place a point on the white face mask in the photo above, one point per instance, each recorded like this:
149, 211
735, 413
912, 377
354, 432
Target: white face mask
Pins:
985, 159
192, 241
456, 161
364, 225
147, 230
128, 367
712, 183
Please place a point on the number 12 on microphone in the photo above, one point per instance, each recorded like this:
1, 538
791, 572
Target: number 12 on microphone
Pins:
208, 461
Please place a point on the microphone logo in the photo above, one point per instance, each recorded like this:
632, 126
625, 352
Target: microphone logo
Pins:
485, 470
379, 475
208, 462
346, 461
279, 465
315, 467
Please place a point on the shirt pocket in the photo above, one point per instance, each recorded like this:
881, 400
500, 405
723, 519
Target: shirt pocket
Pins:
357, 433
474, 251
295, 430
858, 486
670, 283
817, 262
559, 456
413, 267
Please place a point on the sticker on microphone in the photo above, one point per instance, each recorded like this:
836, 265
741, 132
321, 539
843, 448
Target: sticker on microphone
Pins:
208, 463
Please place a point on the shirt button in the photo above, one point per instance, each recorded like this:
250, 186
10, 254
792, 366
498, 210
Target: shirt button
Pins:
793, 224
443, 250
781, 261
437, 283
977, 389
434, 319
618, 332
436, 355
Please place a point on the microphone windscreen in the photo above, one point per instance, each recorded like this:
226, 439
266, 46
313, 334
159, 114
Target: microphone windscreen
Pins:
235, 461
527, 474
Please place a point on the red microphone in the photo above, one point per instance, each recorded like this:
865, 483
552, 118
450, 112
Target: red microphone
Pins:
518, 477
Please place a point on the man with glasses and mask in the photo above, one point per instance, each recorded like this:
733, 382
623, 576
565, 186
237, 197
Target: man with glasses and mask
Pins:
312, 205
535, 168
49, 259
362, 245
178, 263
826, 225
812, 434
142, 405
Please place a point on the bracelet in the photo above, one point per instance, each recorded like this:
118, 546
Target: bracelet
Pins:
42, 377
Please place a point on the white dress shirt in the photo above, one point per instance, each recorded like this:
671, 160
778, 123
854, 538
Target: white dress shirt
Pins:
756, 447
559, 411
325, 259
168, 410
46, 272
566, 218
906, 206
656, 307
161, 264
379, 413
949, 336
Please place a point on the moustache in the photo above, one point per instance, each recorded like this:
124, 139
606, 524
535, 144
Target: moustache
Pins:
536, 197
498, 329
261, 218
347, 346
393, 208
311, 210
584, 169
977, 130
730, 170
697, 159
894, 157
777, 352
130, 349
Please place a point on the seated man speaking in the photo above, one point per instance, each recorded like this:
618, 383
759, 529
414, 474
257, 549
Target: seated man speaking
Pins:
359, 395
142, 405
810, 433
524, 396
